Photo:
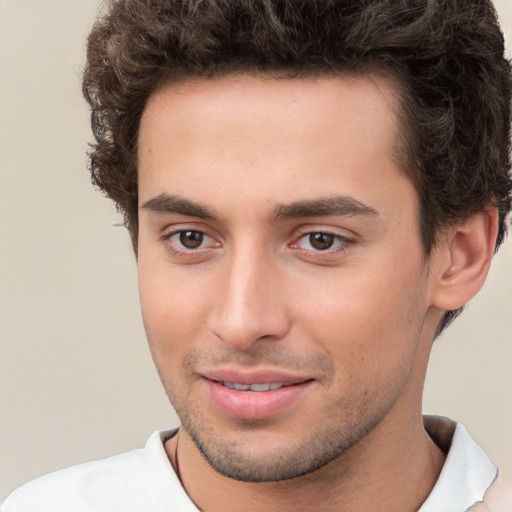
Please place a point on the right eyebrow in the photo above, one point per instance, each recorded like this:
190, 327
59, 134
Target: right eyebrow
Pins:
165, 203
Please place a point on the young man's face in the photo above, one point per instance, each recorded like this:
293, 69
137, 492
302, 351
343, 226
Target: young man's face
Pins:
283, 285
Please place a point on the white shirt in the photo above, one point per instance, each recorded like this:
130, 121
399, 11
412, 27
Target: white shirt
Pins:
467, 473
144, 481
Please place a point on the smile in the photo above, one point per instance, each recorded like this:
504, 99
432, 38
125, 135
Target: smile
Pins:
256, 400
255, 387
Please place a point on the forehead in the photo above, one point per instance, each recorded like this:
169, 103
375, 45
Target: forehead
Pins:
267, 136
245, 100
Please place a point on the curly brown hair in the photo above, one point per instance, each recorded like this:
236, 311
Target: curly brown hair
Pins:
446, 56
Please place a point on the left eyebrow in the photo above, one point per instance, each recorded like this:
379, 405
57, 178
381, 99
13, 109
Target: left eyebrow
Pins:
324, 207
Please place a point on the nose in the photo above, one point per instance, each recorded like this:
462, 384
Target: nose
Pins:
249, 307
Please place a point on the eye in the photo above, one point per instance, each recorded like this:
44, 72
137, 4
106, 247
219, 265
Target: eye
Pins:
321, 241
186, 241
190, 239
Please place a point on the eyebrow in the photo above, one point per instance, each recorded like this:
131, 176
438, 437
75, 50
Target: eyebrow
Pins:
322, 207
164, 204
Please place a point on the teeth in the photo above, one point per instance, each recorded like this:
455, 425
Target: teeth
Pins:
241, 387
254, 387
260, 387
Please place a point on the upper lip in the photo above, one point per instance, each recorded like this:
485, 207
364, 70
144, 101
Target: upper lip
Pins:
259, 376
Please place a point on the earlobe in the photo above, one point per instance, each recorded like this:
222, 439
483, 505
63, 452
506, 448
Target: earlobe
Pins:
467, 253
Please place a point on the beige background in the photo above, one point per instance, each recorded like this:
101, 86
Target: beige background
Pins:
76, 379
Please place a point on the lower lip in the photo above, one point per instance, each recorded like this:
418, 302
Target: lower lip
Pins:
254, 404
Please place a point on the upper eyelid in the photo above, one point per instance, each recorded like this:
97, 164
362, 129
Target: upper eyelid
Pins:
321, 227
170, 234
337, 236
172, 229
173, 232
324, 232
308, 230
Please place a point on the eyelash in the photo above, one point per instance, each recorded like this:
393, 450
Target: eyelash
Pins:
172, 247
186, 252
343, 244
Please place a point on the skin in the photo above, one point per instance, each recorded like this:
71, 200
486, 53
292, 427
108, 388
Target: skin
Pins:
498, 498
227, 157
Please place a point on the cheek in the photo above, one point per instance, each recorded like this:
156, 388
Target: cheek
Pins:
368, 323
172, 309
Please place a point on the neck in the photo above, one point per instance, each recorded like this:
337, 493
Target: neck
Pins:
388, 470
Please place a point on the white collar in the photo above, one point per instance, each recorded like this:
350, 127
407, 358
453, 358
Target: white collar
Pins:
464, 479
467, 472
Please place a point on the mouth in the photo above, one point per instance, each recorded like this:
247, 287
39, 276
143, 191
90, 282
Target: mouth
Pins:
257, 396
268, 386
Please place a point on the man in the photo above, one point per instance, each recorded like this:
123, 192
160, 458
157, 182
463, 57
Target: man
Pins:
313, 191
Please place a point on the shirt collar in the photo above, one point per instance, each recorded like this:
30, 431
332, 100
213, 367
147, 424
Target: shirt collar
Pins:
466, 475
467, 472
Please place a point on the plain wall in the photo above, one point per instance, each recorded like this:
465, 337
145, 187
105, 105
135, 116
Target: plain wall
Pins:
76, 379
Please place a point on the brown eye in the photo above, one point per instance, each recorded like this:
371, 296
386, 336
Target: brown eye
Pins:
321, 241
191, 239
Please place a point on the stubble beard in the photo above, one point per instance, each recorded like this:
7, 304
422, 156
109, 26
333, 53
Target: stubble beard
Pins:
229, 459
315, 450
341, 424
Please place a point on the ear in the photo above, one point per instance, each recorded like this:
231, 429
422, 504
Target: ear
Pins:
463, 260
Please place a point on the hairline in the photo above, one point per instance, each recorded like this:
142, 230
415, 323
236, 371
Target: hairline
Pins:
403, 153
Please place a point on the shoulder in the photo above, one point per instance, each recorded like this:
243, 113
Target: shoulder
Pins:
130, 482
103, 483
499, 496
